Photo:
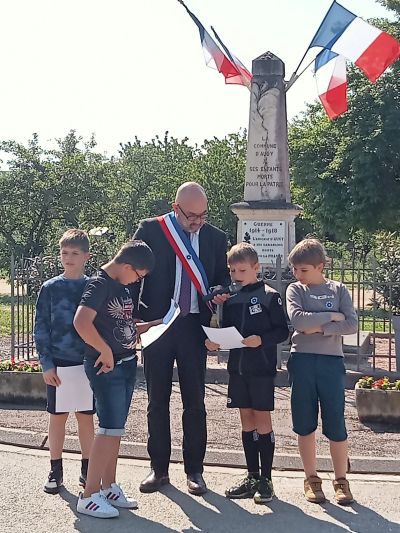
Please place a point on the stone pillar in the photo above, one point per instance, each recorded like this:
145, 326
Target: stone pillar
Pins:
266, 216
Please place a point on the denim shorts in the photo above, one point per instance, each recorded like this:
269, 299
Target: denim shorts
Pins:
113, 394
317, 381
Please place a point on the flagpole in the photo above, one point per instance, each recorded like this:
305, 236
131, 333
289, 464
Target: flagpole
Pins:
294, 77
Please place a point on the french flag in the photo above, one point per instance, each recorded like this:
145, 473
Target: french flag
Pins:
330, 75
371, 49
244, 73
223, 63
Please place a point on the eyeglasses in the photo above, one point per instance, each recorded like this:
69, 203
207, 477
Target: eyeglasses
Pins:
139, 276
194, 218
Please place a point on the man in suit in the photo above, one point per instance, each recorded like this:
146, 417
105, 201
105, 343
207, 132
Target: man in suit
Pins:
184, 340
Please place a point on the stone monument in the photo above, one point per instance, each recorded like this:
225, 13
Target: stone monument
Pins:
266, 216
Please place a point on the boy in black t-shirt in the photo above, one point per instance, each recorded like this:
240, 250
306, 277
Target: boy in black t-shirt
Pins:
257, 313
104, 320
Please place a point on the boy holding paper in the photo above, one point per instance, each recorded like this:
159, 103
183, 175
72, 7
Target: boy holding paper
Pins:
257, 313
59, 345
104, 320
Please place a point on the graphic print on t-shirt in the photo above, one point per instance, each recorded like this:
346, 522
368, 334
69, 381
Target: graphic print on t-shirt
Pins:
121, 310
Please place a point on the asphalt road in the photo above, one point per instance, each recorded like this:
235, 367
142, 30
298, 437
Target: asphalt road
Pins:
25, 508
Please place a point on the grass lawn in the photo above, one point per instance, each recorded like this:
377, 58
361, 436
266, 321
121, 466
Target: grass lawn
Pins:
5, 315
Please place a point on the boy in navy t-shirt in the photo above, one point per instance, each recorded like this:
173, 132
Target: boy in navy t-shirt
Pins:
104, 320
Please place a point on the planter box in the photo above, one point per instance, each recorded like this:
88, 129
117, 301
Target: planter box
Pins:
22, 388
374, 405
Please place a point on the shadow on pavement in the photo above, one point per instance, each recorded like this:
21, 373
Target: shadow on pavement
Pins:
361, 519
281, 516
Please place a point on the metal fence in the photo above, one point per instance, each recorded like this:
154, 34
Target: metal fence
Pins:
372, 348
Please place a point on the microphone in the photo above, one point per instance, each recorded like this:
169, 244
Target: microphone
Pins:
233, 288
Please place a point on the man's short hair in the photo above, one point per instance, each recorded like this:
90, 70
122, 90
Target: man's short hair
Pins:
137, 254
76, 238
308, 252
243, 252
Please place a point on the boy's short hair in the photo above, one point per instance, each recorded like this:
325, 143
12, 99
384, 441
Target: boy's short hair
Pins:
137, 254
243, 252
75, 238
308, 252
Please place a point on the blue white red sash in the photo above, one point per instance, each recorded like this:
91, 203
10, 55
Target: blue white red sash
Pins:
185, 252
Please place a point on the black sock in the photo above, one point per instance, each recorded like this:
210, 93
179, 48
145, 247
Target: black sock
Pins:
250, 447
56, 464
84, 467
266, 447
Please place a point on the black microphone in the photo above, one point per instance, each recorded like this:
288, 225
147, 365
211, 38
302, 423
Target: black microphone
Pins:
233, 288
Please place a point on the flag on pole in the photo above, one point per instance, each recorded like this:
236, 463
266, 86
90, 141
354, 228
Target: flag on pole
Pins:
330, 75
371, 49
244, 73
212, 53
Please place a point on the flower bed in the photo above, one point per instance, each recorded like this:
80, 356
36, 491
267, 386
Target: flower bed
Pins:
20, 366
378, 400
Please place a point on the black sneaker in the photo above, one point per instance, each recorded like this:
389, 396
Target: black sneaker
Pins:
244, 489
264, 491
54, 481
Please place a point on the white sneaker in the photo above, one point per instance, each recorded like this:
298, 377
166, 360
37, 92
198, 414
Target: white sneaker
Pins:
96, 505
116, 497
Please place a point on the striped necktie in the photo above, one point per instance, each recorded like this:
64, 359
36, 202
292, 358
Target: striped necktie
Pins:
185, 292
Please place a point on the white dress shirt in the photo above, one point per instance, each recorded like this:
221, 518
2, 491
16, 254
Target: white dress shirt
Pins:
194, 305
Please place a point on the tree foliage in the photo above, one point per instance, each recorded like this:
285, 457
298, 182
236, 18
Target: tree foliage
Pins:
46, 191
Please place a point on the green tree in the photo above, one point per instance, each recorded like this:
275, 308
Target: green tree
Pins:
46, 191
220, 168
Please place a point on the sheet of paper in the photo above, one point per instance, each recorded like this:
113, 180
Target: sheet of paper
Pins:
227, 338
74, 393
155, 332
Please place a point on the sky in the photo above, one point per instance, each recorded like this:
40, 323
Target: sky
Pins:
120, 68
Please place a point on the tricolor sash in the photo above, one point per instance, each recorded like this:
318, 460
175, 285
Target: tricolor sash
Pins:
185, 252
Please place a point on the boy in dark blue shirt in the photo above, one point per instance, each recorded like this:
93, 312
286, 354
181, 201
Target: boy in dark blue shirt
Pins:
104, 320
257, 313
59, 345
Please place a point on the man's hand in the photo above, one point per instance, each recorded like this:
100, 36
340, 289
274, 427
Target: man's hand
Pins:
254, 341
106, 360
50, 377
142, 327
337, 317
211, 346
219, 299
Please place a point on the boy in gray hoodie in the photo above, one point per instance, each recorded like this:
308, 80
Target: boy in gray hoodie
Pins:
321, 311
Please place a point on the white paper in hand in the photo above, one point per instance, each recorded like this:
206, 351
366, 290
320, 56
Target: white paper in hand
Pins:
227, 338
155, 332
74, 393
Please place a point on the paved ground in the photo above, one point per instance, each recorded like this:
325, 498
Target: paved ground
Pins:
223, 424
25, 508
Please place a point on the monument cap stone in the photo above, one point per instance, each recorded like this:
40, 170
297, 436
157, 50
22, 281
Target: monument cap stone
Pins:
268, 64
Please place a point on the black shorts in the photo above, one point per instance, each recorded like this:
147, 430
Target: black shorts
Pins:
51, 391
251, 392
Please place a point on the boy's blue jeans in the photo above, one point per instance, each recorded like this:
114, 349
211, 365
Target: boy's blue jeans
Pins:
317, 380
113, 394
